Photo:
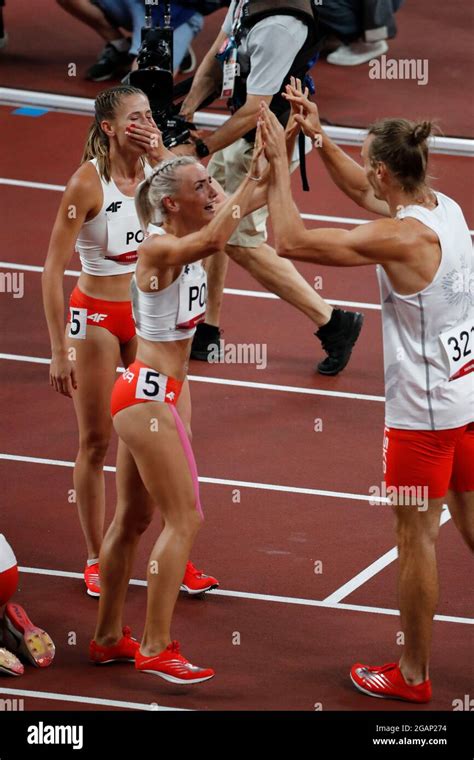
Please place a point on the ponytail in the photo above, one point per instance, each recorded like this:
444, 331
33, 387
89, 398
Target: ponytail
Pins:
143, 206
97, 143
97, 146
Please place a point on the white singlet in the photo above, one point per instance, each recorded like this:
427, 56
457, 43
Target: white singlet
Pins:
172, 313
7, 557
429, 336
107, 244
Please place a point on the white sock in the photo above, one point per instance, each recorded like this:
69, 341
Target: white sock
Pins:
91, 562
122, 44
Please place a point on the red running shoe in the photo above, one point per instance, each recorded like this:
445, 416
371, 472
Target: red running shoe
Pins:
196, 582
172, 666
387, 682
123, 651
92, 579
25, 638
9, 664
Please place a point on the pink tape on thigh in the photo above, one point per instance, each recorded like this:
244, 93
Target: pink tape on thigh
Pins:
189, 456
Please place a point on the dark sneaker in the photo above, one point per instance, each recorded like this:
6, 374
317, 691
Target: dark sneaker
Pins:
109, 63
188, 64
206, 342
338, 338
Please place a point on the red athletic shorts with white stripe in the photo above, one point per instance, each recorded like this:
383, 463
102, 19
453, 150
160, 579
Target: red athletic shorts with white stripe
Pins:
114, 316
139, 384
437, 459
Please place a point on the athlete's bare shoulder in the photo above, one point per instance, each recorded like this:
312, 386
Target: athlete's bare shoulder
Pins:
84, 188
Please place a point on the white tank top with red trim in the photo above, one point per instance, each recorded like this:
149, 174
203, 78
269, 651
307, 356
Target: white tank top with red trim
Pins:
171, 313
107, 244
429, 335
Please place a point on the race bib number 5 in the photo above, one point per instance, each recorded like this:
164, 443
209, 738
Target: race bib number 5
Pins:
458, 344
151, 385
78, 323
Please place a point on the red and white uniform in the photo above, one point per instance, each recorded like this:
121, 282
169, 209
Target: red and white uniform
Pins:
429, 363
172, 313
429, 336
107, 244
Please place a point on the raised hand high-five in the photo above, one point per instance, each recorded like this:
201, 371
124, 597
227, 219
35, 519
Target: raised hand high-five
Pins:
304, 111
273, 134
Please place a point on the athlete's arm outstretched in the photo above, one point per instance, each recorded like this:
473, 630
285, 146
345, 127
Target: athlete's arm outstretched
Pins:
347, 174
376, 242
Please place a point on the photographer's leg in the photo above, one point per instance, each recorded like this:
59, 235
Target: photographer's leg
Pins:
207, 333
280, 276
93, 16
182, 38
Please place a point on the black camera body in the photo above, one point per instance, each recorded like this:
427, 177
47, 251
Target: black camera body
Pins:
155, 77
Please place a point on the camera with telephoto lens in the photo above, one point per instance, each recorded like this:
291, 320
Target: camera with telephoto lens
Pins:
155, 77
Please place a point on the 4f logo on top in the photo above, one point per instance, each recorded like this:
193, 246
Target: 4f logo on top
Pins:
114, 206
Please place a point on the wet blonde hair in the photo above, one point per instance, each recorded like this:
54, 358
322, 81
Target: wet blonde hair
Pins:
97, 143
163, 183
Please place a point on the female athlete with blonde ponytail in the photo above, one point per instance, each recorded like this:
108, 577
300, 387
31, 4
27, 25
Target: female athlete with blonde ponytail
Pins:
97, 216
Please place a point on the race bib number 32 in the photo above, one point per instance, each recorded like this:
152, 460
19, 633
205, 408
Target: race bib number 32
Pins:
458, 344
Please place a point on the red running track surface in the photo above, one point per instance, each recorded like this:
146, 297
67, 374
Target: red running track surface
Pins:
293, 654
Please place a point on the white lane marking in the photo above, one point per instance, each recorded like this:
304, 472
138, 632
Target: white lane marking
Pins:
372, 569
215, 481
310, 217
89, 700
227, 291
225, 381
264, 597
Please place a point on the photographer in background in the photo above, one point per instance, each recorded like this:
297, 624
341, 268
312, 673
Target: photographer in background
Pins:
269, 42
362, 26
109, 17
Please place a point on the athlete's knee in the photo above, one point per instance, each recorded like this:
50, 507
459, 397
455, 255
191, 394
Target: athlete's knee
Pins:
93, 447
467, 532
241, 255
415, 530
131, 525
187, 524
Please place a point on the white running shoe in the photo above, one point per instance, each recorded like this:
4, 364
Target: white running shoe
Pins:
357, 52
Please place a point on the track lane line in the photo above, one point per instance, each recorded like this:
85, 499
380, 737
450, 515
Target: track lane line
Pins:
264, 597
227, 291
11, 182
373, 569
53, 696
227, 381
215, 481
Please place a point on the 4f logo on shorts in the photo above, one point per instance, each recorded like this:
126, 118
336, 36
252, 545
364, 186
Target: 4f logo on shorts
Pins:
97, 317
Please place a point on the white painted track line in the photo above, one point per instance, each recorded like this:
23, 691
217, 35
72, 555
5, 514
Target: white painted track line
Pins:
89, 700
373, 569
17, 267
226, 381
309, 217
264, 597
215, 481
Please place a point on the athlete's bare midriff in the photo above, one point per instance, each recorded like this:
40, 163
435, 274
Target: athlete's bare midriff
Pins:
170, 358
108, 288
